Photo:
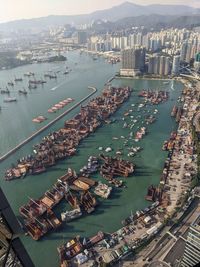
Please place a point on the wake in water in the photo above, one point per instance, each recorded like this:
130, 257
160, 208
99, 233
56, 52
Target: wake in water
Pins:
172, 86
56, 87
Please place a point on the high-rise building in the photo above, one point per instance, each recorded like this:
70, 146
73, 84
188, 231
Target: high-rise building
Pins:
133, 59
176, 65
183, 51
139, 39
12, 251
191, 255
188, 53
167, 66
151, 64
159, 65
156, 65
162, 65
197, 57
123, 42
132, 40
82, 37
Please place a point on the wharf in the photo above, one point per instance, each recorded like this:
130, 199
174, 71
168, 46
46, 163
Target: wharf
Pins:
94, 90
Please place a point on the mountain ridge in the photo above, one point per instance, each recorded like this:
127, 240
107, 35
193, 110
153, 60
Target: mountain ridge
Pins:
126, 9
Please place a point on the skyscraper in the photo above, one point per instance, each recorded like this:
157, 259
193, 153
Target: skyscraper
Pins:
134, 60
191, 255
12, 251
162, 65
188, 53
167, 66
183, 51
82, 37
176, 65
151, 65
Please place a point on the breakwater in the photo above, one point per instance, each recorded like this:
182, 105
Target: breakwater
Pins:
10, 152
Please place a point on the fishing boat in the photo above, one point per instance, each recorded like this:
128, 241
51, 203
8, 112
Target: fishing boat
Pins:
68, 216
103, 190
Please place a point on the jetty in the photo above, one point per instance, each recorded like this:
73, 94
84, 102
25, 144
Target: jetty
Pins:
2, 158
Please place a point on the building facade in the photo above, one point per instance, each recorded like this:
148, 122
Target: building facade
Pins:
191, 255
133, 59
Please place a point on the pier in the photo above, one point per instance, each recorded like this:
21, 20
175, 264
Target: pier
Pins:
94, 90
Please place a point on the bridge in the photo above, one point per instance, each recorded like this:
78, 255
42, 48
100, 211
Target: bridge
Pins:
192, 74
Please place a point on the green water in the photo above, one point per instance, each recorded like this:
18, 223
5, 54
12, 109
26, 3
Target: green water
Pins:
16, 124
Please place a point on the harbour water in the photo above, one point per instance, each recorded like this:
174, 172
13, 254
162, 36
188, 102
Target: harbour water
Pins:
16, 125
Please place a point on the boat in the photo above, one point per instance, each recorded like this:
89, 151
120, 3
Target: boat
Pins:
29, 74
32, 86
39, 119
68, 216
6, 91
37, 81
18, 79
11, 83
24, 92
103, 190
10, 99
52, 76
63, 143
174, 111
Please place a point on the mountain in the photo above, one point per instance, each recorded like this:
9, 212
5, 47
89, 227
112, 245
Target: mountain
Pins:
157, 22
126, 9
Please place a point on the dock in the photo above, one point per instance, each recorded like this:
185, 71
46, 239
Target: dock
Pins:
94, 90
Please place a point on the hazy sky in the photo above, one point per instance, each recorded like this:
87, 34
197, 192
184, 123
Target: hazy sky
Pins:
18, 9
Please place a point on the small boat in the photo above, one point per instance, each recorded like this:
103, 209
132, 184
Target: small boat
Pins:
29, 74
6, 91
71, 215
10, 99
108, 149
10, 83
24, 92
32, 86
18, 79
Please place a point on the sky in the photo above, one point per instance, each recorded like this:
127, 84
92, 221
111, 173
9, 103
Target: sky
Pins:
24, 9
